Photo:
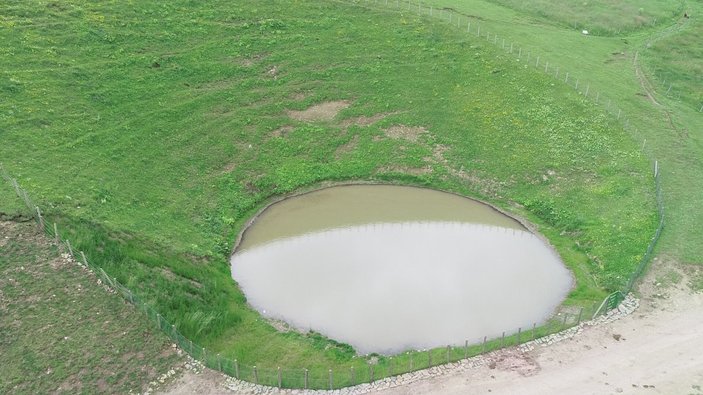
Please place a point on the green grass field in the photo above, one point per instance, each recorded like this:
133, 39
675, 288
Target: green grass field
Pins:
151, 133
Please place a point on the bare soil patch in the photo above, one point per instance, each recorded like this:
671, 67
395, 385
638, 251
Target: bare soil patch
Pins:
326, 111
348, 147
410, 133
250, 61
415, 171
228, 168
298, 96
282, 131
364, 120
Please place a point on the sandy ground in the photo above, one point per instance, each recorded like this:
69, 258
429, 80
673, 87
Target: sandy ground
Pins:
656, 350
659, 351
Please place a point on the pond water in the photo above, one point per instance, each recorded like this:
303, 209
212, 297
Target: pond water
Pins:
390, 268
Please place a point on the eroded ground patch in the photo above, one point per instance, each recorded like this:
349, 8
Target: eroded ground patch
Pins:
326, 111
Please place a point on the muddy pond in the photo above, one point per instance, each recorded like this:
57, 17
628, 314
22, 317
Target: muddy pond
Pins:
392, 268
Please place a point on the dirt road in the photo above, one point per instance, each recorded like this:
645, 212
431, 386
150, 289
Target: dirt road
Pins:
656, 350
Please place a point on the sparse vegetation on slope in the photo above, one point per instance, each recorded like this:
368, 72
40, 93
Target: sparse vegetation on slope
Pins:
64, 333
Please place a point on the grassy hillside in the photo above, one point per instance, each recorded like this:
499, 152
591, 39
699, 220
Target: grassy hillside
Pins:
605, 18
151, 132
62, 332
668, 54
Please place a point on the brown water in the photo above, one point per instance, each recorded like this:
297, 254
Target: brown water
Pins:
389, 268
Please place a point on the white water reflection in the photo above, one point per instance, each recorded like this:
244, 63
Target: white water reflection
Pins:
391, 287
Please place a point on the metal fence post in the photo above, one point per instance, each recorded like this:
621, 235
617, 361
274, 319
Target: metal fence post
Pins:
578, 321
305, 380
279, 377
466, 349
449, 349
85, 261
519, 330
70, 249
256, 375
502, 340
56, 233
236, 369
40, 218
429, 358
331, 380
534, 326
483, 348
353, 375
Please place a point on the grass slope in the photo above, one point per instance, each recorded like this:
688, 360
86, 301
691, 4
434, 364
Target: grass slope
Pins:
669, 53
148, 132
63, 333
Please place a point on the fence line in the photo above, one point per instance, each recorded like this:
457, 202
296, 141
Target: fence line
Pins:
403, 363
304, 378
595, 96
446, 15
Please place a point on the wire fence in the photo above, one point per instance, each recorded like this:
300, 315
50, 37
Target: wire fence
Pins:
616, 297
319, 378
472, 25
363, 371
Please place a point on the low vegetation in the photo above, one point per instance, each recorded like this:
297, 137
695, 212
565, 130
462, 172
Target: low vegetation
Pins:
151, 132
64, 333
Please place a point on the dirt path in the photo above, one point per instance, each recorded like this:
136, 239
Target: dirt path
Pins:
656, 350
